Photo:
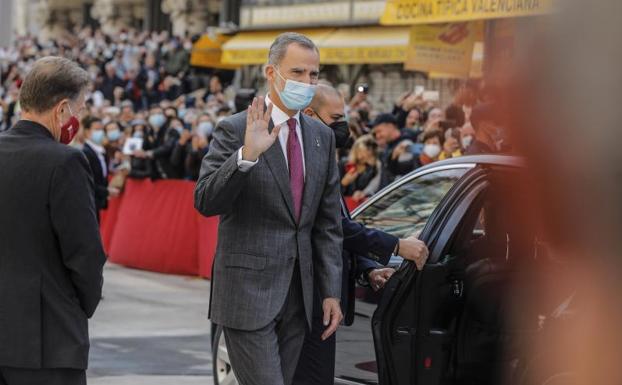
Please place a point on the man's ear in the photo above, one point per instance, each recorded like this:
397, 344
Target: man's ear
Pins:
61, 108
309, 112
268, 72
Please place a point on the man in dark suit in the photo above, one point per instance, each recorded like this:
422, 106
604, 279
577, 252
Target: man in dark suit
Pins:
98, 161
51, 257
364, 252
271, 175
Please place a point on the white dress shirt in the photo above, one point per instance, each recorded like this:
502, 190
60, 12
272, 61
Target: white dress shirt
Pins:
100, 151
279, 118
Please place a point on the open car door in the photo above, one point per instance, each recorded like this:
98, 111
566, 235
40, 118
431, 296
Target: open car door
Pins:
412, 324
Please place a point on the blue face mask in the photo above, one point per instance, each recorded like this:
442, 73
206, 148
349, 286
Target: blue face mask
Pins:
114, 135
97, 136
157, 120
205, 128
296, 95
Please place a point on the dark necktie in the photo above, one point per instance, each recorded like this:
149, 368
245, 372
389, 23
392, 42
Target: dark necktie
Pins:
296, 168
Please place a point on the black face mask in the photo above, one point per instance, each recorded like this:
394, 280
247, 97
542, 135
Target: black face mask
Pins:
341, 128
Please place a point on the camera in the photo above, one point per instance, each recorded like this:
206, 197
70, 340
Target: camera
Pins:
364, 88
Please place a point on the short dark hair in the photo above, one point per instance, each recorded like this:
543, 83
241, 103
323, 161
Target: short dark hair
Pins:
385, 118
51, 80
456, 114
278, 49
483, 113
433, 134
88, 121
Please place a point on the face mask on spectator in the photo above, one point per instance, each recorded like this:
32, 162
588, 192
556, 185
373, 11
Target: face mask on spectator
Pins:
157, 120
179, 129
205, 128
138, 134
181, 113
466, 141
97, 137
295, 95
432, 150
114, 135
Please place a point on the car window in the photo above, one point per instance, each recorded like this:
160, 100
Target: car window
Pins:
405, 210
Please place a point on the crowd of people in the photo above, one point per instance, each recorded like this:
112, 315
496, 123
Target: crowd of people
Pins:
388, 145
149, 116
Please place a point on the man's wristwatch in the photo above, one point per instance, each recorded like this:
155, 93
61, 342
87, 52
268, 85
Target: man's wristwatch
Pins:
396, 251
363, 279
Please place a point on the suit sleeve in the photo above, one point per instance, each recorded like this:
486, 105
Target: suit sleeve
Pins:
74, 220
363, 264
328, 234
369, 243
220, 181
166, 149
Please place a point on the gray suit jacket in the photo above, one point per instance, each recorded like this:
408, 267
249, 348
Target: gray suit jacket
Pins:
258, 238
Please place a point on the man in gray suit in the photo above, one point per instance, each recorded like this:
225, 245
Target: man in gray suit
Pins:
271, 176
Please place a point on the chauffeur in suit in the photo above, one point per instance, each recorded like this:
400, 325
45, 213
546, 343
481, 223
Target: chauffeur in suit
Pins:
364, 252
272, 177
51, 256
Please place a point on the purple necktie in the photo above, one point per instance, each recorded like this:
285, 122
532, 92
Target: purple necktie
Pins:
296, 168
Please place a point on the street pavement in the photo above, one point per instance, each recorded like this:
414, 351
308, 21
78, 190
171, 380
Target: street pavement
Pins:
150, 329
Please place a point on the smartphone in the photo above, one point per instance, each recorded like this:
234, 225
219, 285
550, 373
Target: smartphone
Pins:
431, 96
419, 90
364, 88
350, 167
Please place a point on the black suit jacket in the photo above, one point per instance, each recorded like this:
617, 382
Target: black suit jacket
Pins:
363, 249
51, 256
99, 180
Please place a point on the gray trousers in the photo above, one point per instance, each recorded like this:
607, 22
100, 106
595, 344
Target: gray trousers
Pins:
269, 356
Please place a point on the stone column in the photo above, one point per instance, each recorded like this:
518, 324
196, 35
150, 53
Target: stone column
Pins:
6, 22
186, 15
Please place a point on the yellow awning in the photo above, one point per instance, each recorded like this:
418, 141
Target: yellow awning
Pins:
252, 47
207, 52
407, 12
365, 45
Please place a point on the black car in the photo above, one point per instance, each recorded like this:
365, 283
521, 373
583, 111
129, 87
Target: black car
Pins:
457, 321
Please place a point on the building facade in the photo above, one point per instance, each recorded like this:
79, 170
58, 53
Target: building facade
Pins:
47, 18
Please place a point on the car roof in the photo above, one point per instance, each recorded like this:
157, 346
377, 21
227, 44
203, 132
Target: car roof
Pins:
468, 161
486, 159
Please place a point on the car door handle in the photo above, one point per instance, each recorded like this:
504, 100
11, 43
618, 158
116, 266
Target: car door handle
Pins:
405, 331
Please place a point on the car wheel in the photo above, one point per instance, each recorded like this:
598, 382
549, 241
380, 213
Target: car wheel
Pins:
223, 372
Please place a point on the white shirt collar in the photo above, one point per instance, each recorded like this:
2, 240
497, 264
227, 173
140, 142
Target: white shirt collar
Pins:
279, 116
96, 147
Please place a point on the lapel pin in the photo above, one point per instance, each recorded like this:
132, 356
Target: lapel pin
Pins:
317, 142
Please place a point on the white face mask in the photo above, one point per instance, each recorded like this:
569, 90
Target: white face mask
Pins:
466, 141
432, 150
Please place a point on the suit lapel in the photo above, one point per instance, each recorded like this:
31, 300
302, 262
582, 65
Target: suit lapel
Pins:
277, 165
312, 146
